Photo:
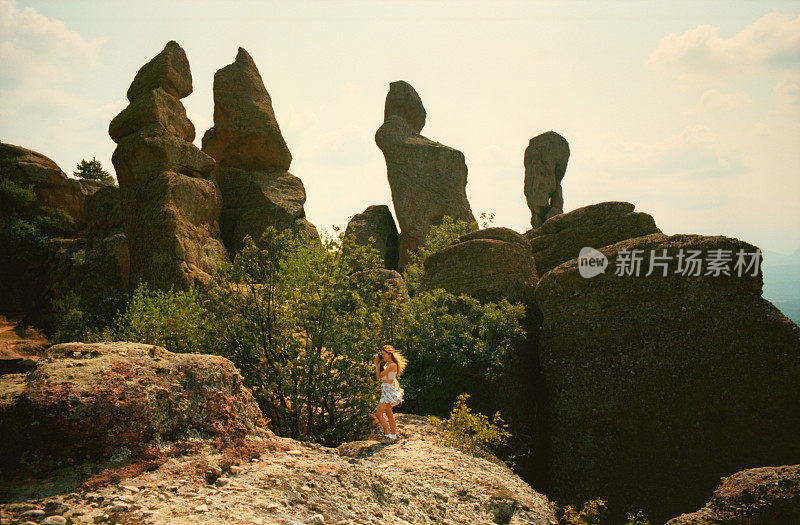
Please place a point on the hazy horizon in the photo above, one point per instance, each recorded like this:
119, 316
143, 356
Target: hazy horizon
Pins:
689, 111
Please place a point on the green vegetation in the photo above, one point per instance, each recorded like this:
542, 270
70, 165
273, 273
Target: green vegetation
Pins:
302, 325
470, 432
593, 512
88, 294
590, 514
301, 319
92, 170
437, 238
26, 232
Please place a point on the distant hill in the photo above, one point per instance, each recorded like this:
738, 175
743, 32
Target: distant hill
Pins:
782, 282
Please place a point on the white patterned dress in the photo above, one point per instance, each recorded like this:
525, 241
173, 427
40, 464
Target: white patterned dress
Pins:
391, 392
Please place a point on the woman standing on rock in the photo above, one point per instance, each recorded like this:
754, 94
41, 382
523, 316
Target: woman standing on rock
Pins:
391, 393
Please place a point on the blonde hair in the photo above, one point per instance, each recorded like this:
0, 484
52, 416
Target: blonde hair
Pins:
397, 357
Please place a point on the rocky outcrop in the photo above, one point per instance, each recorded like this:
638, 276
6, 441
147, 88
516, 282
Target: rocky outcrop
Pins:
545, 164
658, 385
763, 496
428, 180
376, 223
51, 185
489, 264
168, 204
92, 401
281, 480
561, 238
252, 158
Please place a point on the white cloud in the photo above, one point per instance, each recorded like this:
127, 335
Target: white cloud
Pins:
696, 153
772, 41
716, 101
787, 91
36, 50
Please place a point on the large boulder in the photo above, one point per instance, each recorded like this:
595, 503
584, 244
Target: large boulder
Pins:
428, 179
252, 158
376, 223
51, 185
545, 163
660, 384
88, 402
761, 495
561, 237
169, 206
490, 264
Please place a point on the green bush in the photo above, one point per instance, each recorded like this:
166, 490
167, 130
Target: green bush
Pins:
26, 232
91, 295
302, 325
470, 432
590, 513
438, 237
453, 345
176, 320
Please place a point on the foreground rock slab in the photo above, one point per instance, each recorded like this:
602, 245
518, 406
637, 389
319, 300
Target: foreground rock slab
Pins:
85, 402
281, 480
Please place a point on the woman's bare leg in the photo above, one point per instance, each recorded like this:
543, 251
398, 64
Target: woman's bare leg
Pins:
390, 417
379, 414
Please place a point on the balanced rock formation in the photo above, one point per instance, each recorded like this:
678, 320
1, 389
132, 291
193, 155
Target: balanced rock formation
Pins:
428, 180
376, 223
761, 495
545, 164
94, 401
660, 384
281, 480
252, 158
561, 237
169, 206
51, 185
403, 100
489, 264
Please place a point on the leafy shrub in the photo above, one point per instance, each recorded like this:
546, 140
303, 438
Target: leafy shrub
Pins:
302, 325
590, 513
176, 320
91, 295
470, 432
453, 345
26, 231
438, 237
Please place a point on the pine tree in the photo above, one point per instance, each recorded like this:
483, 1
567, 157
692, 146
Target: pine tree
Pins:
93, 170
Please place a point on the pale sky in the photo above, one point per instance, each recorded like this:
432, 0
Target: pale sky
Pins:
689, 110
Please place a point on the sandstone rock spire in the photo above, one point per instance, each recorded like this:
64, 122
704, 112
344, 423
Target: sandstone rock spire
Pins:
169, 207
252, 158
545, 164
428, 179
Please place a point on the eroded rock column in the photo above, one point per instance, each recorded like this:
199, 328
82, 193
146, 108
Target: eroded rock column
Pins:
169, 206
252, 158
428, 179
